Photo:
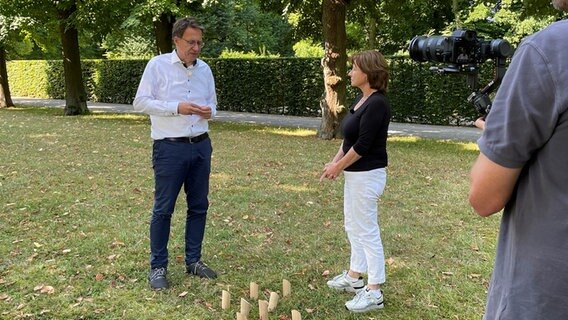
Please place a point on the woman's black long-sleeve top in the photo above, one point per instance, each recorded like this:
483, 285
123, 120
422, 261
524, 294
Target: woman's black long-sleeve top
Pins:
366, 130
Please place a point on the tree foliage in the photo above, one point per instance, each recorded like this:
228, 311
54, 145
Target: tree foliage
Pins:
231, 25
140, 29
67, 17
241, 25
509, 19
127, 29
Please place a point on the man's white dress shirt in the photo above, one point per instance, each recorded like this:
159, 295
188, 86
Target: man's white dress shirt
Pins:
165, 83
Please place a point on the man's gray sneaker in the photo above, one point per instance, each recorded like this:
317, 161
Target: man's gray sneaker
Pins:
365, 301
201, 270
341, 283
157, 278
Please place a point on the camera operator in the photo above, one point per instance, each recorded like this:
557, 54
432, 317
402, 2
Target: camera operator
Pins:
523, 168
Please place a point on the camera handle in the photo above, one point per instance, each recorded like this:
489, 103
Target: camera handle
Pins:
480, 98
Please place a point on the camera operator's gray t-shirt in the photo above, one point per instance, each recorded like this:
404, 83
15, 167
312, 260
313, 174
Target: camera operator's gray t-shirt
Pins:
528, 127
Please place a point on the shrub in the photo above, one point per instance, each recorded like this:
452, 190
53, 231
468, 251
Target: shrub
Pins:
288, 86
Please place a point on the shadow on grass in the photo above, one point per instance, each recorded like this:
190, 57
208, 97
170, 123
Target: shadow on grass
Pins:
36, 110
446, 145
434, 145
97, 115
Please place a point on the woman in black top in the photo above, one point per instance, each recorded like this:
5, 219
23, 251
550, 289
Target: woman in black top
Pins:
363, 159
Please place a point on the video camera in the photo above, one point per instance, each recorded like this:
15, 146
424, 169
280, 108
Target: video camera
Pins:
463, 52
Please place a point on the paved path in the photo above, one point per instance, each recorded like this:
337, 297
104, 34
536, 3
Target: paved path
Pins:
395, 128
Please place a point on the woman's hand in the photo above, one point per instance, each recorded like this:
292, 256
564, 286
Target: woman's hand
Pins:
330, 171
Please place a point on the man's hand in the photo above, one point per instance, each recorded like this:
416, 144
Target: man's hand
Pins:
188, 108
480, 123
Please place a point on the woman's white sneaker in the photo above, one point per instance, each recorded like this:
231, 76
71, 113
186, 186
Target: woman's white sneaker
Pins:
364, 301
342, 283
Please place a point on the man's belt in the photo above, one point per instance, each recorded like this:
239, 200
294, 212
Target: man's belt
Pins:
195, 139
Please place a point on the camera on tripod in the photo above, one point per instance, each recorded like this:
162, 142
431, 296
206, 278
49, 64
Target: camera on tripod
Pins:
463, 52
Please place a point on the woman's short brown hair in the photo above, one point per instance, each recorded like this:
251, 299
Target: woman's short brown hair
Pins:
375, 66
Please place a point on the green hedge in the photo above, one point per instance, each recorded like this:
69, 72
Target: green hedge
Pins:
419, 95
290, 86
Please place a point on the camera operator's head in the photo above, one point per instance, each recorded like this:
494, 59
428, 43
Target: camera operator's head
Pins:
373, 64
560, 4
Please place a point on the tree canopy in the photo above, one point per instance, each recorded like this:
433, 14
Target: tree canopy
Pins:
126, 29
141, 29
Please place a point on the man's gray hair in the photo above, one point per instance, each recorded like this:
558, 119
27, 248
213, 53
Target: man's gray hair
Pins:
187, 22
560, 4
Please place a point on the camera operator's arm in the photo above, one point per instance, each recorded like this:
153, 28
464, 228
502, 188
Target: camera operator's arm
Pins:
491, 185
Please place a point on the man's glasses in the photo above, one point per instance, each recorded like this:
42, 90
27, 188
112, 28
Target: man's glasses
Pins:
193, 43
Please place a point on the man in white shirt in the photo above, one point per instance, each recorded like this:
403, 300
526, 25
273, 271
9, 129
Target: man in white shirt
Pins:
177, 90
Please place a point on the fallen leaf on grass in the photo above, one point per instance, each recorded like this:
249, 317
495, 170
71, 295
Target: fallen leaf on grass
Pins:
66, 251
99, 277
183, 294
209, 306
325, 273
204, 303
474, 276
47, 290
390, 261
116, 244
3, 296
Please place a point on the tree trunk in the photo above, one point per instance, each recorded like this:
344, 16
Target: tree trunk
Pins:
75, 94
5, 97
373, 11
163, 32
334, 65
372, 32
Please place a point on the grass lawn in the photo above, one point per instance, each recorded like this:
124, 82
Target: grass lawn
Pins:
75, 205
